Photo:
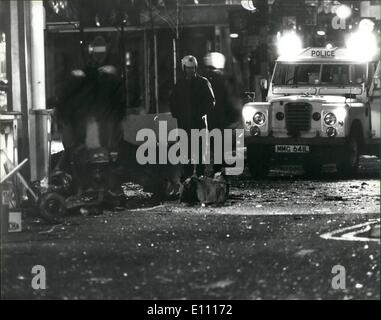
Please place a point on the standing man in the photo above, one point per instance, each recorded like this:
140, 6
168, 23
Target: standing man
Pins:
192, 99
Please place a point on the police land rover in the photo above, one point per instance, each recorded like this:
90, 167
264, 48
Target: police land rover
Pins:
323, 106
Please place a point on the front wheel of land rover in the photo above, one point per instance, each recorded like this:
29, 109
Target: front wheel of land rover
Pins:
349, 161
258, 161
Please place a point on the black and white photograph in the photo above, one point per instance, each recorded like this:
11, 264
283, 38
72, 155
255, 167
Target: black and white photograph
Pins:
190, 154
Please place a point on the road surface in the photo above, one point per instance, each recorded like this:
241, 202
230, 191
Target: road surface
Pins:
278, 238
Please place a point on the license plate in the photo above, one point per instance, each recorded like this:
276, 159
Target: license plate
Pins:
292, 149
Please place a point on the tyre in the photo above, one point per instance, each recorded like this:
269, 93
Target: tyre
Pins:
258, 161
53, 207
349, 161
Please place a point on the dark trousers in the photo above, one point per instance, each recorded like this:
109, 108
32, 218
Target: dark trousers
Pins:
189, 169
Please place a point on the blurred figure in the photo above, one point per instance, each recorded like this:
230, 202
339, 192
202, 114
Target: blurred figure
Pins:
192, 98
222, 116
89, 116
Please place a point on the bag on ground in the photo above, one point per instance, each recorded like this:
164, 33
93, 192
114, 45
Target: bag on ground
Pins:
205, 190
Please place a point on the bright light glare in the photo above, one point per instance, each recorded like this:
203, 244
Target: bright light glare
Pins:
362, 45
234, 35
289, 44
366, 25
343, 12
321, 32
341, 113
248, 113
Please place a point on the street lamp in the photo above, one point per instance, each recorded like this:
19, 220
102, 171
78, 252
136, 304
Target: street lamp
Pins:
248, 5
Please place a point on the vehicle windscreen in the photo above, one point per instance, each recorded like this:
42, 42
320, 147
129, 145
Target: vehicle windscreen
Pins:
296, 74
316, 74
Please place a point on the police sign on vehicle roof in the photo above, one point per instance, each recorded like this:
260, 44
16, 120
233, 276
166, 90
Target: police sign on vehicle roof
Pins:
322, 53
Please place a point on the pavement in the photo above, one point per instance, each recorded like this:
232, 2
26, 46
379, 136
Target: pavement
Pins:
280, 238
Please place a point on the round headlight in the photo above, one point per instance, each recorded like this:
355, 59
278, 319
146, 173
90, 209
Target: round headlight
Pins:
330, 119
259, 118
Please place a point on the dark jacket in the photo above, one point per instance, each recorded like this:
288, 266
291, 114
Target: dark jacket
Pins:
190, 101
221, 114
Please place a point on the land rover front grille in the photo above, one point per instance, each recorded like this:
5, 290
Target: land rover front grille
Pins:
298, 117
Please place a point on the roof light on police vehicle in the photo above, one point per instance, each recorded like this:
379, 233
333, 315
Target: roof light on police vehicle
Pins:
331, 132
362, 45
366, 25
330, 119
289, 44
259, 118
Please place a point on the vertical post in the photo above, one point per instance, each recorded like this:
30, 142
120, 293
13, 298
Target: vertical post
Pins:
176, 42
8, 58
15, 57
154, 43
174, 61
38, 123
23, 19
37, 54
147, 55
217, 38
156, 73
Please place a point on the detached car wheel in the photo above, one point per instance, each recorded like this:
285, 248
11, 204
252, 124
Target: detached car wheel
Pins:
53, 207
349, 161
258, 161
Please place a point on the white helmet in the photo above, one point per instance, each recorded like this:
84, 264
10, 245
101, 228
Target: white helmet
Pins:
189, 61
215, 60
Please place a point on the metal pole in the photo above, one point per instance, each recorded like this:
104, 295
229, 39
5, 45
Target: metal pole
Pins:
38, 54
156, 73
39, 131
174, 61
175, 41
147, 56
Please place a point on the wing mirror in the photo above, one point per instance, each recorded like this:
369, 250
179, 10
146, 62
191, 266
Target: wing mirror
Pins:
249, 96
